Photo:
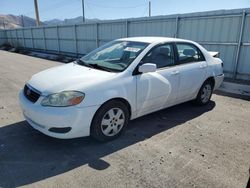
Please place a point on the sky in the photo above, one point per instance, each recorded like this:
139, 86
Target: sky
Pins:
114, 9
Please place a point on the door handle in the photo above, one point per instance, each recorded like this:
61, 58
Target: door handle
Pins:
175, 72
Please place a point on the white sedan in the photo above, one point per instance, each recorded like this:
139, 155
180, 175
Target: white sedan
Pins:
127, 78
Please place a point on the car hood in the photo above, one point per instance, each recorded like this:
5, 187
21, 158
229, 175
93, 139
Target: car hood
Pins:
67, 77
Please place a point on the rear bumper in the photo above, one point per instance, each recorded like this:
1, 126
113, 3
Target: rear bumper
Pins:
218, 81
44, 118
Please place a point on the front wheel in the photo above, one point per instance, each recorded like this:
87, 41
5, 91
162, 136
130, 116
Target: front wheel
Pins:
109, 121
205, 93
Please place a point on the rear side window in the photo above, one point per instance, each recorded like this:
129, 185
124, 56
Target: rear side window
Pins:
162, 56
188, 53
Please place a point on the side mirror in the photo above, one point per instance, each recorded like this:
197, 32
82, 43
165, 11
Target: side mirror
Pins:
147, 67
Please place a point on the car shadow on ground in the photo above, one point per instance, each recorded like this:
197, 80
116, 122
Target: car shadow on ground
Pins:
27, 156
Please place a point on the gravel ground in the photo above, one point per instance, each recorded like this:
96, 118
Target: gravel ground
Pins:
182, 146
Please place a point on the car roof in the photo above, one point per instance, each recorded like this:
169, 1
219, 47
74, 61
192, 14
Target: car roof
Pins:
153, 39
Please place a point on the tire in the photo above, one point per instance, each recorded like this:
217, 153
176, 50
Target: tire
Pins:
109, 121
204, 94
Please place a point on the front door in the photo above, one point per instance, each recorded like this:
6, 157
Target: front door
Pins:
158, 89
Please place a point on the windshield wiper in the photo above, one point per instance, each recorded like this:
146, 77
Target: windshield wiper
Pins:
93, 65
81, 62
100, 67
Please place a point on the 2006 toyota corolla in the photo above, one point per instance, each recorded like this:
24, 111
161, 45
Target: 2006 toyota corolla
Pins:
98, 94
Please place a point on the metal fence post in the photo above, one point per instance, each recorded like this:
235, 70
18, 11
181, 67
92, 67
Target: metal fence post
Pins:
97, 35
6, 37
32, 38
16, 39
127, 25
57, 38
176, 26
76, 40
239, 44
24, 45
10, 34
44, 40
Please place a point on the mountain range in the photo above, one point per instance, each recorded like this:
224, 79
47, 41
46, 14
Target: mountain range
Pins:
11, 21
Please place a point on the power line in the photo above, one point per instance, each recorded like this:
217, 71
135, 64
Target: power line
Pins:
145, 12
69, 13
121, 7
90, 10
51, 7
89, 5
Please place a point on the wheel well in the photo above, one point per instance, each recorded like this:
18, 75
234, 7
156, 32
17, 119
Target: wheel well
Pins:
124, 101
211, 79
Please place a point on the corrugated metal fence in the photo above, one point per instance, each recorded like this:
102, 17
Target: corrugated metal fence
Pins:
226, 31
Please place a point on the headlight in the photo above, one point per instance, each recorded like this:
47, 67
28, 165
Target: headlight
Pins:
63, 99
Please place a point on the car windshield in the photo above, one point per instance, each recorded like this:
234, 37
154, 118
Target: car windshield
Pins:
115, 56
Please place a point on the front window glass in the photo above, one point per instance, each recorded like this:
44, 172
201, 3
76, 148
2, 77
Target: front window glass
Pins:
162, 56
115, 56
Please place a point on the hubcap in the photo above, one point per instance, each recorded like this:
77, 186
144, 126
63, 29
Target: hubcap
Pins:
112, 122
206, 93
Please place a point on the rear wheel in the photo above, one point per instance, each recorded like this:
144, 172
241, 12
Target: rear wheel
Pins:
205, 93
109, 121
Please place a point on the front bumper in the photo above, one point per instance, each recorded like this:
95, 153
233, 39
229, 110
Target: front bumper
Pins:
43, 118
218, 81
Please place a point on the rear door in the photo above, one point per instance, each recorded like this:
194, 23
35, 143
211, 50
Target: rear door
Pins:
192, 67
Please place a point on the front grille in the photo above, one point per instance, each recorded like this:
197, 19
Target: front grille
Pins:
31, 94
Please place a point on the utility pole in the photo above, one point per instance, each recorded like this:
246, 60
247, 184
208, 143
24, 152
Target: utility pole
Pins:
149, 9
37, 13
3, 24
22, 20
83, 16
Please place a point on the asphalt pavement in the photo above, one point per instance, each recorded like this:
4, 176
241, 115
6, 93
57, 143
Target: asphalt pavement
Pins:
182, 146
